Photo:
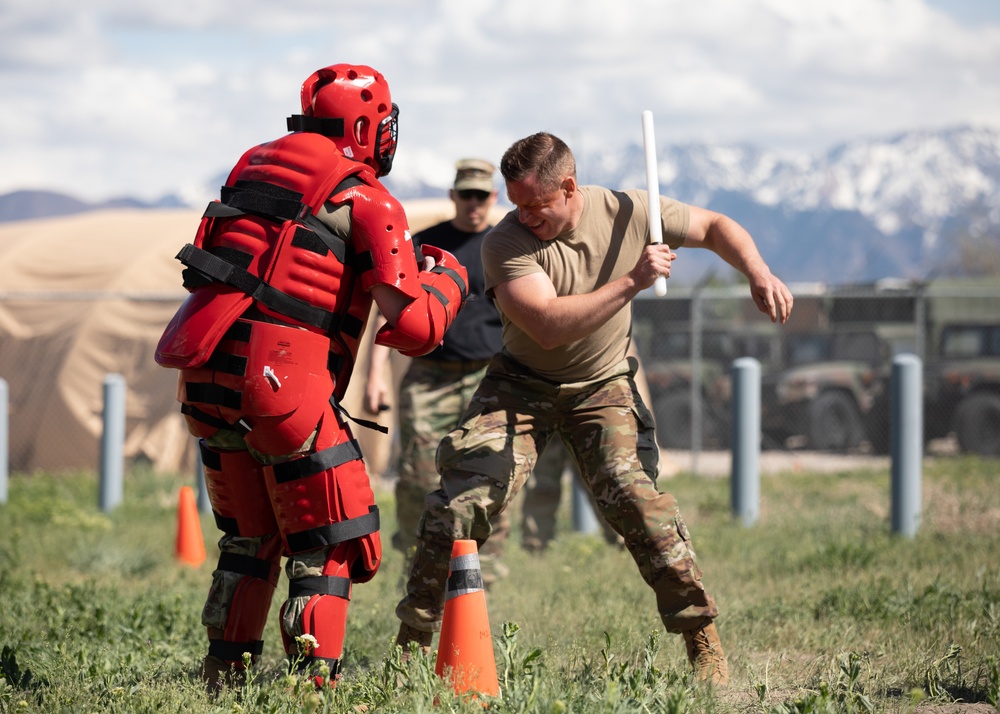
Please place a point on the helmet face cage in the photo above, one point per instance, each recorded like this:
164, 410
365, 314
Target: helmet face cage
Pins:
386, 139
360, 96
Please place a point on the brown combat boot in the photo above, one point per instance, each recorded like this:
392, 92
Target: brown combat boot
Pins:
218, 675
409, 634
705, 652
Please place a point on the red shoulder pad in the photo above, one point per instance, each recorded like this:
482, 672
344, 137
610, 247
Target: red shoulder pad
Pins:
379, 227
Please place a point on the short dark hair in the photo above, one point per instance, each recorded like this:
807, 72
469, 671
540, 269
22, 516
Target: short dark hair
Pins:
542, 154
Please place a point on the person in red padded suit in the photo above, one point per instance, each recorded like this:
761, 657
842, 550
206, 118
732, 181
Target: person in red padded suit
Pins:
282, 274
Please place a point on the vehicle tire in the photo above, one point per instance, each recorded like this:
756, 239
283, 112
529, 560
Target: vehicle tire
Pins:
835, 423
977, 424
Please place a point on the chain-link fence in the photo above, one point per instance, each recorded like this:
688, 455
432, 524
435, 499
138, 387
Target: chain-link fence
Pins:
826, 373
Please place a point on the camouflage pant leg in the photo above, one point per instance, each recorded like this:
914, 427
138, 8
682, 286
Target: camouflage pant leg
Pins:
432, 400
486, 460
613, 439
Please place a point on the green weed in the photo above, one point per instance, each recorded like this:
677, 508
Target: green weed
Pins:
822, 609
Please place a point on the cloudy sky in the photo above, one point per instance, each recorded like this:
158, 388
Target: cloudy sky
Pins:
106, 98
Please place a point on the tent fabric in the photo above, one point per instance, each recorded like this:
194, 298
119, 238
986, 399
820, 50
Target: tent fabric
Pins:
85, 296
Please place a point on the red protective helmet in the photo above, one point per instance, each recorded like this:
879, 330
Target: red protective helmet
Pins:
357, 98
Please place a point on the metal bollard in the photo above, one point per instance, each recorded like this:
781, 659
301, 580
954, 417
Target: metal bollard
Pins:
745, 479
906, 440
113, 443
4, 440
584, 518
204, 502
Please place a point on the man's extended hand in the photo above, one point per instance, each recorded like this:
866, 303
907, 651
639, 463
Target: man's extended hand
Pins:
772, 297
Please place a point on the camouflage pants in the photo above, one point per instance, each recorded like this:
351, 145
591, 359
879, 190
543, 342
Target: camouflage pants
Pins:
486, 460
432, 398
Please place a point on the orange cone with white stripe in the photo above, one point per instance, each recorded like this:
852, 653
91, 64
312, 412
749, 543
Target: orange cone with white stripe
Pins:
190, 545
465, 647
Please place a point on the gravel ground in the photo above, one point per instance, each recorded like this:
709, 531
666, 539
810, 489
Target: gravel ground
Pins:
772, 461
719, 463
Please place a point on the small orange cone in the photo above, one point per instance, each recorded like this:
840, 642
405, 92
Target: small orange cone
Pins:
465, 647
190, 542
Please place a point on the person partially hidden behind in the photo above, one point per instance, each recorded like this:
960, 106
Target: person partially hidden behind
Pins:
282, 274
563, 268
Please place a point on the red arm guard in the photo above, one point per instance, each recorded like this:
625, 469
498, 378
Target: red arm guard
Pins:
422, 324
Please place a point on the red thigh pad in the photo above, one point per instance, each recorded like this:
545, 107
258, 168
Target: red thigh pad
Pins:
237, 489
325, 499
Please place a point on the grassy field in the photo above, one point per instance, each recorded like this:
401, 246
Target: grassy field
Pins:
823, 609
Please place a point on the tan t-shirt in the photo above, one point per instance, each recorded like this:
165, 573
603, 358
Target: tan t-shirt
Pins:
604, 246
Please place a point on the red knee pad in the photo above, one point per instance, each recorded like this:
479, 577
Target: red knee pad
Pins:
250, 603
325, 614
325, 499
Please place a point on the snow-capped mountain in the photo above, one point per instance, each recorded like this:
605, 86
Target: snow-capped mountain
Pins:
908, 206
861, 211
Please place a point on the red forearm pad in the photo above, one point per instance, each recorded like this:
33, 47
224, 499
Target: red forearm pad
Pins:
422, 324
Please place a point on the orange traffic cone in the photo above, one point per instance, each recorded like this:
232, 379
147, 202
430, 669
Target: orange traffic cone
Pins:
465, 647
190, 548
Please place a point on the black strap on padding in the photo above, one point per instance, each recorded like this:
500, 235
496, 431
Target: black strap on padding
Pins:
351, 326
213, 394
278, 204
332, 127
265, 199
225, 272
462, 286
227, 525
334, 533
320, 585
248, 565
210, 458
316, 462
228, 363
240, 427
239, 331
367, 423
441, 298
233, 651
217, 209
281, 204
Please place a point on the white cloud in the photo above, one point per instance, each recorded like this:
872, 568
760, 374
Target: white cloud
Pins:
139, 98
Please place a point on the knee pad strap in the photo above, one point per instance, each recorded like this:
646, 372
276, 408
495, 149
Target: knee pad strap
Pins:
320, 585
232, 652
265, 570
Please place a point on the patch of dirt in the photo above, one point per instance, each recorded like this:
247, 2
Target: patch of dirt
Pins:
719, 463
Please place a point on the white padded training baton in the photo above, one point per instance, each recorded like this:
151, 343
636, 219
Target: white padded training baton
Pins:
653, 189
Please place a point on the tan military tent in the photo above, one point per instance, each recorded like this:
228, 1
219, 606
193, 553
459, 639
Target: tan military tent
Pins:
85, 296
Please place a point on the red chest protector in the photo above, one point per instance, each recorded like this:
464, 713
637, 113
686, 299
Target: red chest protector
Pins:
263, 246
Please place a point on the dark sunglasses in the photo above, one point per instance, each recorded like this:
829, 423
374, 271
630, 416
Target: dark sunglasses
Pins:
470, 193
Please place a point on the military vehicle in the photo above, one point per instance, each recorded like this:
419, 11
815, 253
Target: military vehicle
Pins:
674, 344
831, 394
962, 388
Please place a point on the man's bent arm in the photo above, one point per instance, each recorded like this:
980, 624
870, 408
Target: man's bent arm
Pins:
731, 242
531, 303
